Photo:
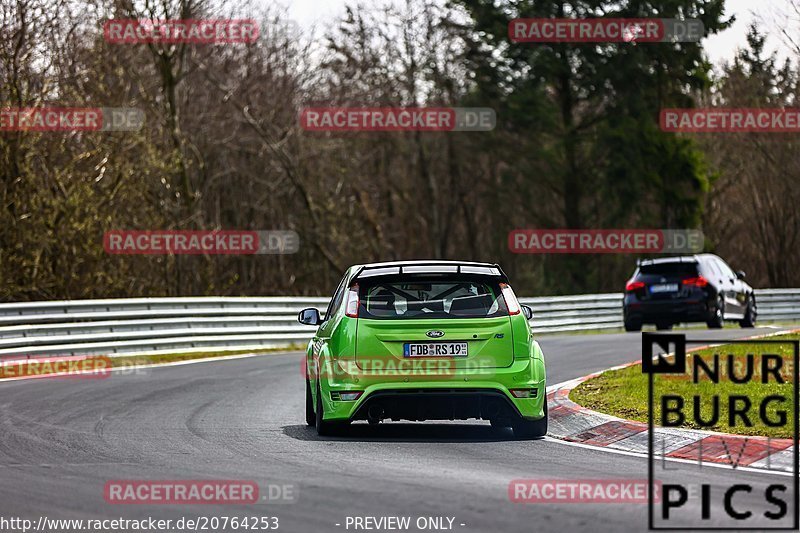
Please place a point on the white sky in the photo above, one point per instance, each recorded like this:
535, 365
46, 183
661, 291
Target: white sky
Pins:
719, 47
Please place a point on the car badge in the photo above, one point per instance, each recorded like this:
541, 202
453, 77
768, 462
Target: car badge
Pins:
435, 333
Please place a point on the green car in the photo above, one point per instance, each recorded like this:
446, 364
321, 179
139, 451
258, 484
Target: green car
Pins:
424, 340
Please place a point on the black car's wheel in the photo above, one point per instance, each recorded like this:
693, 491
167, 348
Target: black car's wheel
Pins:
311, 417
530, 429
632, 325
750, 314
664, 326
717, 319
324, 429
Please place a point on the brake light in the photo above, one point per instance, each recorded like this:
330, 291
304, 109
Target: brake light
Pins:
699, 281
511, 299
352, 302
633, 286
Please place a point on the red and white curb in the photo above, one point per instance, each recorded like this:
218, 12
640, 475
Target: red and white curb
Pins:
571, 422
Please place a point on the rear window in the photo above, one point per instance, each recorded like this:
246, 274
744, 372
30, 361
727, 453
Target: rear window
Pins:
431, 299
669, 269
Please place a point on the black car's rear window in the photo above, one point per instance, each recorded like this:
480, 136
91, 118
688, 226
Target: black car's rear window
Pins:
669, 269
431, 299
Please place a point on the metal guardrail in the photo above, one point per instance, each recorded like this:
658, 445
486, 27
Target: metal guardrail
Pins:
159, 325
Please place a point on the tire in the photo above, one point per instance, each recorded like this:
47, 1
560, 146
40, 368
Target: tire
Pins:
531, 429
325, 428
633, 326
311, 417
718, 319
664, 326
750, 314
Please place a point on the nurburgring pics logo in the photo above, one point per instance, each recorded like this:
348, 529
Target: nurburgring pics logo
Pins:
71, 119
719, 120
591, 241
743, 402
189, 242
190, 31
392, 119
604, 30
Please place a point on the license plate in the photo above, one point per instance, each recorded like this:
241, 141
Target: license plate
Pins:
435, 349
667, 287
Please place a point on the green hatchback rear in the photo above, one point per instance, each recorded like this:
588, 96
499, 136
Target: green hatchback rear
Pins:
424, 340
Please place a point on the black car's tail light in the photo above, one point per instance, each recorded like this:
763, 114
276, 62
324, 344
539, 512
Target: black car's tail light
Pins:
699, 281
634, 286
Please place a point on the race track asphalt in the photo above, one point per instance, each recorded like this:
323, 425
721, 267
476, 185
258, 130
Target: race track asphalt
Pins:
62, 440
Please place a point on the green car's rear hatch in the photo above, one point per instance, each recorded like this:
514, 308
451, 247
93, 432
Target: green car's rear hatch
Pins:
432, 320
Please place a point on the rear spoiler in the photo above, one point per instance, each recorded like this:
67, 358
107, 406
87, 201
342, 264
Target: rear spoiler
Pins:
433, 267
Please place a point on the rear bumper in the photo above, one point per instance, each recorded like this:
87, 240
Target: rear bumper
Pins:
672, 311
461, 395
437, 404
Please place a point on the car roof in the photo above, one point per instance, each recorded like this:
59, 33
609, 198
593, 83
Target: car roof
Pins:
431, 266
424, 262
679, 259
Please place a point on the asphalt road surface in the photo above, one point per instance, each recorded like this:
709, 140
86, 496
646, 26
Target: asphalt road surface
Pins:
61, 441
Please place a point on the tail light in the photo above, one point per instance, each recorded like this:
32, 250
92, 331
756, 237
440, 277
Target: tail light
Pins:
524, 393
511, 299
352, 302
634, 286
699, 281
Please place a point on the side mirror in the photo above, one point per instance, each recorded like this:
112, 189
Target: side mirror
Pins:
740, 274
528, 312
309, 317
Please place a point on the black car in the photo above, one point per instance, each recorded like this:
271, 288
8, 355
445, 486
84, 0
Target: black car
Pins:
698, 288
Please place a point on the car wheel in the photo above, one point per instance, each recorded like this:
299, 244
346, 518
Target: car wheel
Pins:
750, 314
633, 326
717, 320
530, 429
324, 428
664, 326
311, 417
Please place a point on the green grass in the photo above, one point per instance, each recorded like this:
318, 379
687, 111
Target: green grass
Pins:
623, 393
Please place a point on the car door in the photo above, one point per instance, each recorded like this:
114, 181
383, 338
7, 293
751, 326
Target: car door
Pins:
734, 302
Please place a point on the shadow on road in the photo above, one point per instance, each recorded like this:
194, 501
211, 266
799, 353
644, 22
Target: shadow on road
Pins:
400, 432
